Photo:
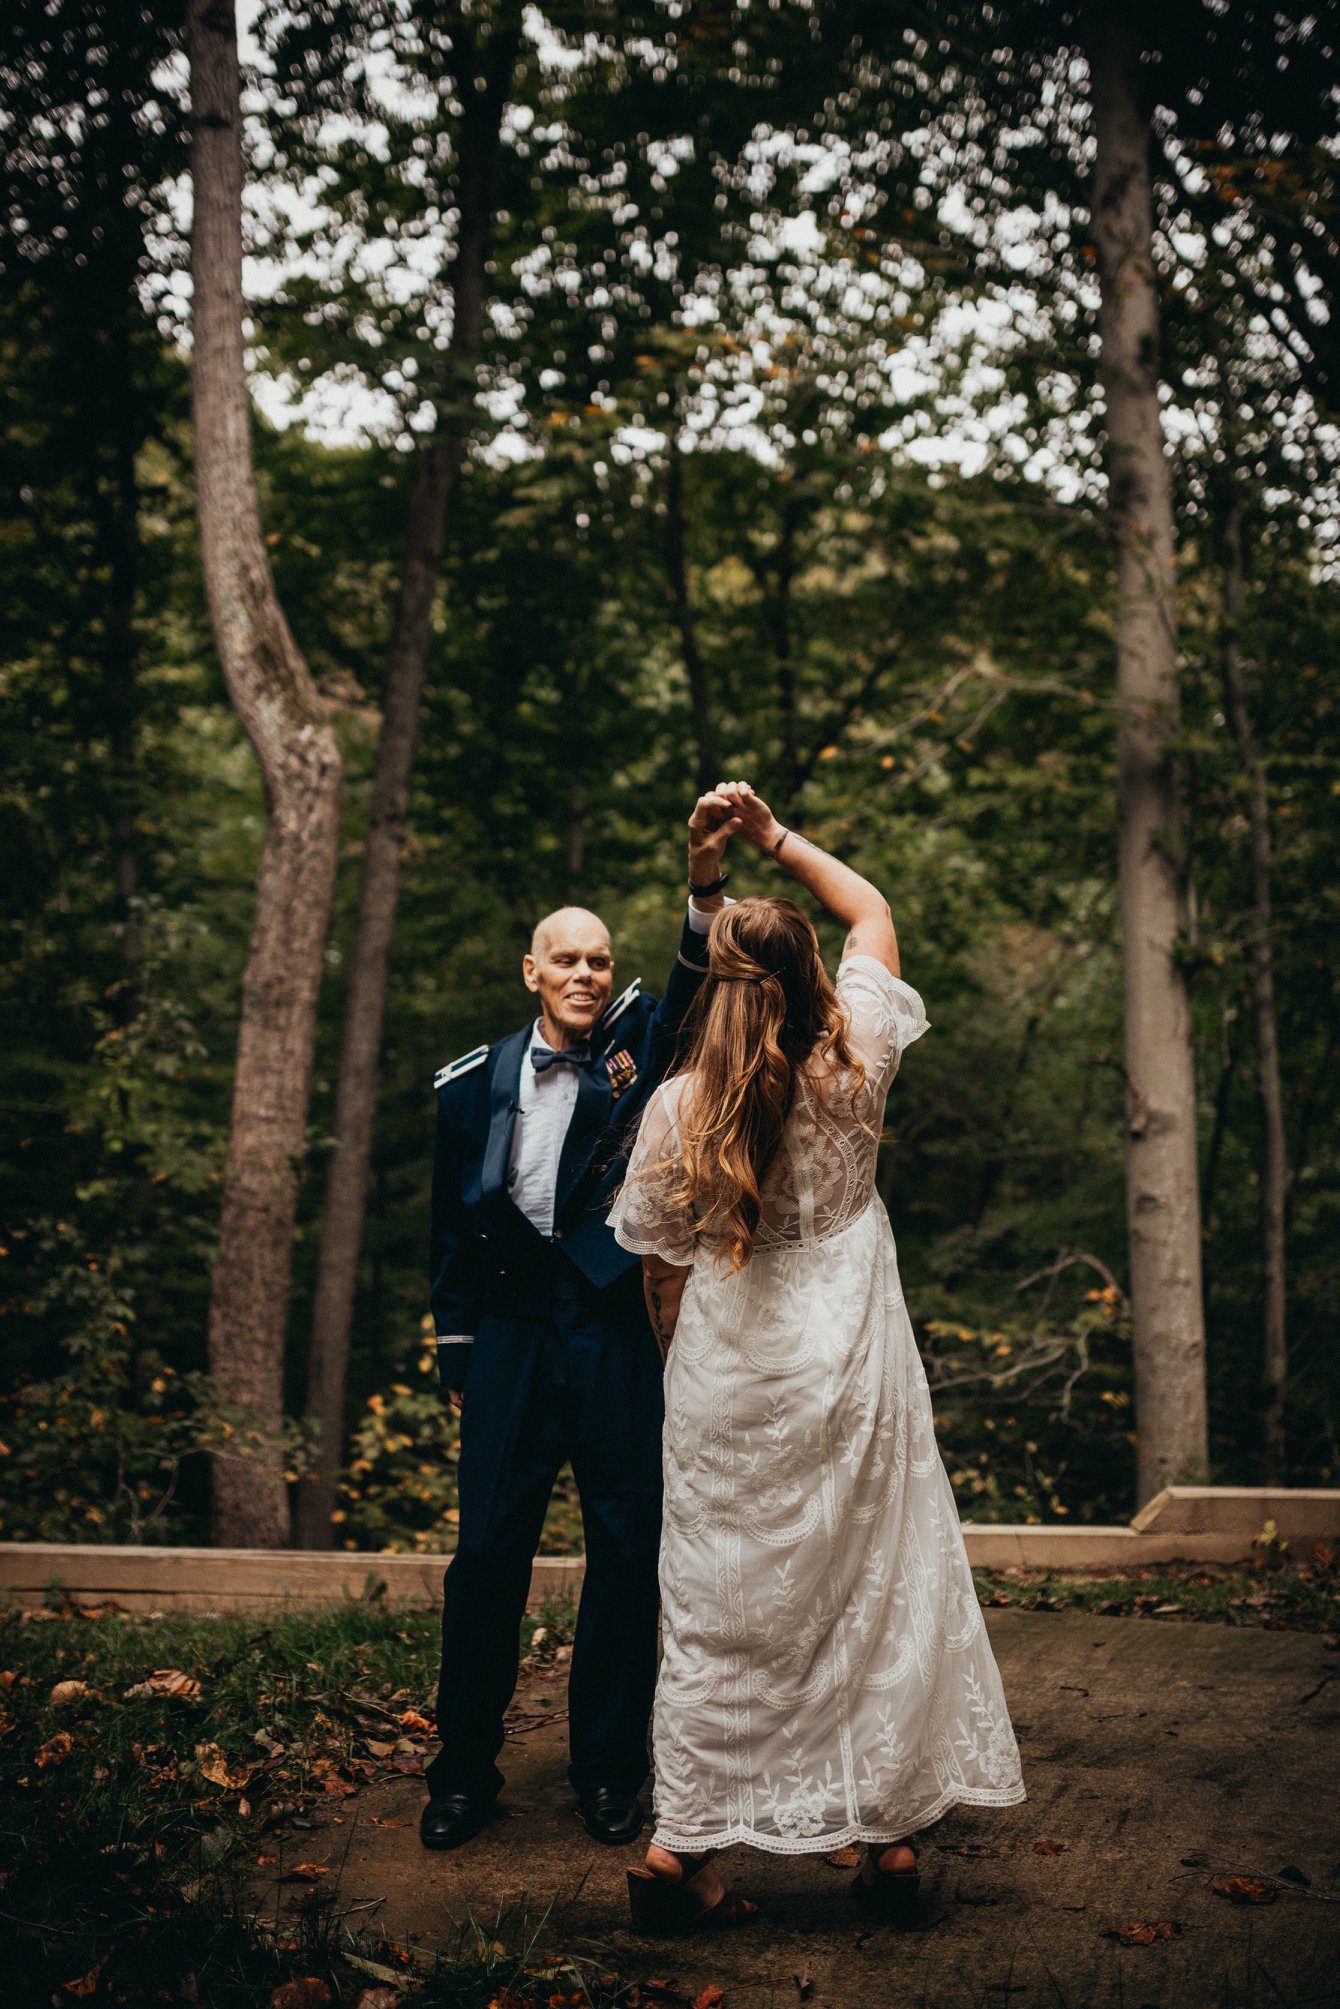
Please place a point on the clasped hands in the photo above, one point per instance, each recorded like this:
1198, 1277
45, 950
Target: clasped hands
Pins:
730, 807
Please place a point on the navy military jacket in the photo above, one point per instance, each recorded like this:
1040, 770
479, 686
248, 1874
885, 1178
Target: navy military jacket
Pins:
477, 1230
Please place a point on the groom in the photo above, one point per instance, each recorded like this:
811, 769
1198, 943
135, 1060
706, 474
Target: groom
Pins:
543, 1345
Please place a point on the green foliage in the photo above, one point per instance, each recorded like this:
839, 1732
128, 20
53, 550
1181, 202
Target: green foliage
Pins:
758, 245
400, 1488
94, 1451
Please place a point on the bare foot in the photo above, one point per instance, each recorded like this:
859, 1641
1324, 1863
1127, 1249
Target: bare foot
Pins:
708, 1889
674, 1868
898, 1859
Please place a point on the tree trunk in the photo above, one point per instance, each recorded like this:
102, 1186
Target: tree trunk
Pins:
707, 767
296, 751
1163, 1210
120, 534
785, 564
438, 466
1275, 1160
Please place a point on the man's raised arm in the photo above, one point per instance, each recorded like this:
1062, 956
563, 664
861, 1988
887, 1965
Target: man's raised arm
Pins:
710, 829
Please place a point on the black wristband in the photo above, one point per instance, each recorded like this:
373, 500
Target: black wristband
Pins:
706, 892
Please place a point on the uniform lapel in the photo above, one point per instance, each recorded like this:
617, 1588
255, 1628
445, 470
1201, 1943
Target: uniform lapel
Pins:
589, 1116
503, 1105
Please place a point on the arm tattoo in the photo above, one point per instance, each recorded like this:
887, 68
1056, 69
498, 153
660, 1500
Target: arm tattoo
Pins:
662, 1339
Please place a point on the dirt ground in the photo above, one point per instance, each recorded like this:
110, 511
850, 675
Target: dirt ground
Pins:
1161, 1759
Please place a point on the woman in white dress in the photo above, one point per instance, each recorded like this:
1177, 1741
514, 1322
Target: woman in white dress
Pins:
826, 1676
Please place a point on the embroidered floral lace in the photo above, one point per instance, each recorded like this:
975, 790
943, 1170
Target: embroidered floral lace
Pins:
826, 1675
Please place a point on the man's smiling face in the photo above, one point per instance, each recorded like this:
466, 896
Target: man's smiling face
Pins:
571, 970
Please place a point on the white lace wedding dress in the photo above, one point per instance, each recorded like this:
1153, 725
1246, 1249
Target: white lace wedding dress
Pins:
826, 1674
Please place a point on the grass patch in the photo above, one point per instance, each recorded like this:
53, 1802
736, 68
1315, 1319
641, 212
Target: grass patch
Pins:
146, 1764
1279, 1595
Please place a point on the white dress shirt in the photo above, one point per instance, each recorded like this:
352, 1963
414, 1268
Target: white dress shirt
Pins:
546, 1102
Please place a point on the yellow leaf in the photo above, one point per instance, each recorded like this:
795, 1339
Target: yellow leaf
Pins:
214, 1766
165, 1681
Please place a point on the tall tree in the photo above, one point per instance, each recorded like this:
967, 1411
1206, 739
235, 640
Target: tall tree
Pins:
479, 74
1163, 1201
88, 139
295, 747
1275, 1154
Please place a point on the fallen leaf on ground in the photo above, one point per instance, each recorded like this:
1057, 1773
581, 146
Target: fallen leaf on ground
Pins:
1245, 1889
847, 1858
306, 1872
55, 1751
1050, 1848
85, 1984
309, 1993
66, 1692
377, 1998
711, 1997
385, 1821
165, 1681
415, 1723
380, 1747
804, 1984
264, 1862
378, 1969
215, 1767
8, 1677
1138, 1933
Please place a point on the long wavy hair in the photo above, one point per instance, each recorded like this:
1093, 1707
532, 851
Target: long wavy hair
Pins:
768, 1005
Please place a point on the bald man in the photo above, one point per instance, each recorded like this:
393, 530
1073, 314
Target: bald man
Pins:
543, 1345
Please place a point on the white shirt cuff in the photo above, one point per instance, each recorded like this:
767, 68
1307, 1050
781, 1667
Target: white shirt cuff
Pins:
700, 919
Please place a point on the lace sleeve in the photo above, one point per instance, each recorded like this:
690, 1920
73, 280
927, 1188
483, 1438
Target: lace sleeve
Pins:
643, 1219
886, 1014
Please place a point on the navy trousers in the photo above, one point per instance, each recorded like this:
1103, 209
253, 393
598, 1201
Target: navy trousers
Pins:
558, 1371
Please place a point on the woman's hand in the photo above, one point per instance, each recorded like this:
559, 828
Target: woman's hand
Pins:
711, 827
753, 818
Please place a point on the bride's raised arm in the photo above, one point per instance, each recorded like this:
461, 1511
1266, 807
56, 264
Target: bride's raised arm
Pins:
848, 897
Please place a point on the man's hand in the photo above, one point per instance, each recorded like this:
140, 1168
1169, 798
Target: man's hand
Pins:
751, 814
456, 1397
711, 826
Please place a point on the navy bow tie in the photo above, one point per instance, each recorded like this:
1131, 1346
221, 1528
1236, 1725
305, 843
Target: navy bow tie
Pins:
548, 1056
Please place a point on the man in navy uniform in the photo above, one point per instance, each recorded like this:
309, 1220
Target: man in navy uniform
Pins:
544, 1345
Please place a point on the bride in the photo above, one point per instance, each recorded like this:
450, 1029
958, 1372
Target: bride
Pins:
826, 1676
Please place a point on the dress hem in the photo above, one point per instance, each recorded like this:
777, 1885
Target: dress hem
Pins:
818, 1845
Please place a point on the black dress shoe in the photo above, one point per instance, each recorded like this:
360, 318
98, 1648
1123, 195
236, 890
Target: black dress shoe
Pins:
610, 1815
451, 1818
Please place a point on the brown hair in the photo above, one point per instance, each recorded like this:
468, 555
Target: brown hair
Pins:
767, 1005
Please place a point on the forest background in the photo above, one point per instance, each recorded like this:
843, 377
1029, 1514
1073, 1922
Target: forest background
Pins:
744, 363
